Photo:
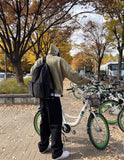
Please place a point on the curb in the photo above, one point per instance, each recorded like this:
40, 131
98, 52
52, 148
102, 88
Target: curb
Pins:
18, 99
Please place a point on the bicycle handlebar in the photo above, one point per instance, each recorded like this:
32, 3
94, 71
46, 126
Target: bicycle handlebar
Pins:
70, 89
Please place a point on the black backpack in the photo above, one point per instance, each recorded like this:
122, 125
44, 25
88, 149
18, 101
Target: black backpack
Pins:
42, 84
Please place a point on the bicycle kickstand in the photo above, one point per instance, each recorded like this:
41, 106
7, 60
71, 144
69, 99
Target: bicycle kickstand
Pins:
64, 138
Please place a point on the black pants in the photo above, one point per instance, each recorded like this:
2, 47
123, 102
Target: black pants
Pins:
51, 123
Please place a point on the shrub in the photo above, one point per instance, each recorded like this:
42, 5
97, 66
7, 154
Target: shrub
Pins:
10, 86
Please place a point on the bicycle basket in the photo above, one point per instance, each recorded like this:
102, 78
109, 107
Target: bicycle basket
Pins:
94, 100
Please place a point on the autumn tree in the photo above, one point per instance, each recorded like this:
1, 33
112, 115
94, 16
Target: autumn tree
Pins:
61, 38
42, 46
58, 36
81, 60
19, 19
113, 10
5, 64
109, 58
95, 43
2, 60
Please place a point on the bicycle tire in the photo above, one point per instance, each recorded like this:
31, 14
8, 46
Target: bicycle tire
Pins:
121, 119
102, 87
37, 119
97, 137
71, 84
77, 93
110, 110
91, 90
122, 94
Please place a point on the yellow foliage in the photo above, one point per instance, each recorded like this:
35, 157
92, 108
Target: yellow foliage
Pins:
30, 57
80, 60
57, 37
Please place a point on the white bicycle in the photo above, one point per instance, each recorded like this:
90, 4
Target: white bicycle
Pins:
97, 126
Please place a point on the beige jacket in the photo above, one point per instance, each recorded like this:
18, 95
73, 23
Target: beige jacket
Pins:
60, 69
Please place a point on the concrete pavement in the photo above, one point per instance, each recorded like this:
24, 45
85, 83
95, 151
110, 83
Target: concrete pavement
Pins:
18, 139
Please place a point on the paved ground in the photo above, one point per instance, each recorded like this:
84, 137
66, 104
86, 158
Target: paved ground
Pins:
18, 139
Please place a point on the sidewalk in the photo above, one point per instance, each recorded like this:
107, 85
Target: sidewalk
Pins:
18, 139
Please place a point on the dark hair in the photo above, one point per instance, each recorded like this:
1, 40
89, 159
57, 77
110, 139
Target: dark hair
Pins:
59, 54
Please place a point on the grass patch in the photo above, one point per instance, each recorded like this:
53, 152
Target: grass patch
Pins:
10, 86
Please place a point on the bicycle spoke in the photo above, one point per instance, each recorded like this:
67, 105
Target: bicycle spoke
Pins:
77, 93
110, 110
98, 131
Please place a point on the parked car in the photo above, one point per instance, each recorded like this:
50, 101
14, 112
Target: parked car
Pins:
2, 76
28, 75
9, 75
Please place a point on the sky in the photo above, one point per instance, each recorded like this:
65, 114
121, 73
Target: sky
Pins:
77, 35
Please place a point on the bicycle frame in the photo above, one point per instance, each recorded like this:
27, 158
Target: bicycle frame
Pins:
79, 117
100, 142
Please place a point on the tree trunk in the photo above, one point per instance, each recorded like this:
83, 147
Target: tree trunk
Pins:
99, 64
119, 64
19, 73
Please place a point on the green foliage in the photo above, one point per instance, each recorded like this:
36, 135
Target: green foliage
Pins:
10, 86
26, 80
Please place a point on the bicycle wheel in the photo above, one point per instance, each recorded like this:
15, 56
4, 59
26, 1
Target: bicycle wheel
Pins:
102, 87
77, 92
91, 90
98, 131
121, 120
37, 120
122, 94
72, 84
110, 109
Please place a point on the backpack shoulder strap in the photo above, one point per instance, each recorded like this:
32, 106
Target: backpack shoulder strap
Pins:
44, 59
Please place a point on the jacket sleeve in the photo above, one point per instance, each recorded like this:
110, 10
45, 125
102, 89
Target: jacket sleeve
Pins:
72, 75
37, 63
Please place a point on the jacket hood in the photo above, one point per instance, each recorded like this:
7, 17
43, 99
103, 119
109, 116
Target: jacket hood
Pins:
53, 50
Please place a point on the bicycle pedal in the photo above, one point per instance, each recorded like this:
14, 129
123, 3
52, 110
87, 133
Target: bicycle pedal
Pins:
73, 132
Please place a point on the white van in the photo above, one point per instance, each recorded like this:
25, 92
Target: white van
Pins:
111, 69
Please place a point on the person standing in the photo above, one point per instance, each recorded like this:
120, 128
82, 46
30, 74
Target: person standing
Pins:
51, 109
